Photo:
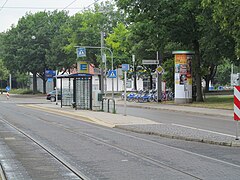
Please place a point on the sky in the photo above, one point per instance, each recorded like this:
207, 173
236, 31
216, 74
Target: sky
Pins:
12, 10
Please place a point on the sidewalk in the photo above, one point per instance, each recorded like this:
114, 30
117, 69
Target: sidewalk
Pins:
182, 108
146, 126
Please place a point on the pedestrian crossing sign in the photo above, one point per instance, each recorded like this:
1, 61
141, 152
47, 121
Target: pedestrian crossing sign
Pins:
81, 52
112, 74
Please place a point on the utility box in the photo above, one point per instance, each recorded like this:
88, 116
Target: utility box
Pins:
96, 99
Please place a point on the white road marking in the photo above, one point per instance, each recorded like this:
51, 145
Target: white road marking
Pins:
9, 138
214, 132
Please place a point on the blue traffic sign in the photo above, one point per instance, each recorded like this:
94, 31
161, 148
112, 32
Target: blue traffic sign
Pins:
81, 52
50, 73
112, 74
125, 67
83, 67
7, 88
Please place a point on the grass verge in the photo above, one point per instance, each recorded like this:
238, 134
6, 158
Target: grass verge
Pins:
21, 91
216, 102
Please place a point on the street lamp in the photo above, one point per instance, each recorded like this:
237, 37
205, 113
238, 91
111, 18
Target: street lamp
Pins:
96, 47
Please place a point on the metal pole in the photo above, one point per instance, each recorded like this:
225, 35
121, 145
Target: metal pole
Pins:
10, 81
237, 130
117, 78
125, 93
102, 74
112, 78
159, 83
96, 47
105, 77
134, 75
56, 90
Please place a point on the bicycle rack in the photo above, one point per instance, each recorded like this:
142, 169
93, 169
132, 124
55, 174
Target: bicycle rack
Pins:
111, 99
108, 104
103, 99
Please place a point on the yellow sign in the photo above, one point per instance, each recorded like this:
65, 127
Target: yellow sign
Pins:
83, 67
180, 59
160, 70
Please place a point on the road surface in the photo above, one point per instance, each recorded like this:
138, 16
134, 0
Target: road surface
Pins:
40, 145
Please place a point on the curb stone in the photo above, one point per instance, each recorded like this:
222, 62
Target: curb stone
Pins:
134, 128
179, 137
2, 173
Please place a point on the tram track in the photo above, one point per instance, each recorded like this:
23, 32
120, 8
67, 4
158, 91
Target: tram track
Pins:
137, 138
130, 152
98, 140
53, 154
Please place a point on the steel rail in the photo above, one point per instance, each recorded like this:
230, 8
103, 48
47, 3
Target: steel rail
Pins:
136, 154
50, 152
130, 152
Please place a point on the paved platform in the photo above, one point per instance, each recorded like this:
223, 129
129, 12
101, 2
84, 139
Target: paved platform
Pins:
142, 125
181, 108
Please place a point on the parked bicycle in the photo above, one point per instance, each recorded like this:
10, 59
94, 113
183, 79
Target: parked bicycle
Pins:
148, 96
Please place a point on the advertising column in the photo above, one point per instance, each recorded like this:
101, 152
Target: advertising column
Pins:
183, 76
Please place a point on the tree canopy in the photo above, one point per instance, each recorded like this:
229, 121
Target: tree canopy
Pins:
189, 23
48, 40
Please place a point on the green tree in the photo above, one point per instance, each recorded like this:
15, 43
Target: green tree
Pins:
1, 44
118, 42
85, 29
227, 14
223, 74
22, 79
3, 74
215, 46
161, 22
26, 45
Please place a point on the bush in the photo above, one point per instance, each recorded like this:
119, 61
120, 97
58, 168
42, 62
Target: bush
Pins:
22, 91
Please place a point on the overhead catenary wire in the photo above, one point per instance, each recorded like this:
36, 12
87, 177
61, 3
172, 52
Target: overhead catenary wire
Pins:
69, 4
79, 9
48, 8
68, 7
3, 5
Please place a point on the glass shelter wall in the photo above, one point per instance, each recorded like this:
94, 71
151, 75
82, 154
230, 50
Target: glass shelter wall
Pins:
83, 92
80, 94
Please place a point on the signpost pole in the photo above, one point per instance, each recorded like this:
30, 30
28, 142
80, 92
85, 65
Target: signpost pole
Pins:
112, 88
103, 90
125, 68
56, 89
112, 78
10, 81
81, 52
134, 74
237, 130
125, 93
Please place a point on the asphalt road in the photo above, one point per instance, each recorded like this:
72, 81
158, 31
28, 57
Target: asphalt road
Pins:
103, 153
219, 124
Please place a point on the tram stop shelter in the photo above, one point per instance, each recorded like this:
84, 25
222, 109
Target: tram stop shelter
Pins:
79, 95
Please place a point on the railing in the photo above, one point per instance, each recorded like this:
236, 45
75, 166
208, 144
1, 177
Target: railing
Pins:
110, 104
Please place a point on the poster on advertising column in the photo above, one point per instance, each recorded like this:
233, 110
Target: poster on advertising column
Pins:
183, 75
